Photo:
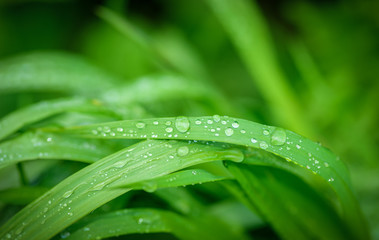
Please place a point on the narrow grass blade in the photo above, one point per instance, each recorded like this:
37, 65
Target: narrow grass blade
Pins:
293, 209
52, 71
92, 186
176, 179
286, 144
21, 195
39, 145
163, 87
22, 117
143, 221
248, 31
181, 200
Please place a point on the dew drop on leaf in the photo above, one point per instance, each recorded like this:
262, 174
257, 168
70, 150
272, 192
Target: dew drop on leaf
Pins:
65, 234
119, 164
253, 140
140, 125
266, 132
68, 194
182, 151
235, 124
169, 129
149, 187
278, 137
229, 132
182, 124
216, 118
263, 145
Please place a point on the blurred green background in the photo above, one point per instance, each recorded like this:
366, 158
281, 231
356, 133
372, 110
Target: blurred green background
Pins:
327, 51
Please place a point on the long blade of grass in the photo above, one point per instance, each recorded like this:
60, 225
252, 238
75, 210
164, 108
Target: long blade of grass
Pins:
176, 179
186, 203
248, 31
286, 144
91, 187
22, 117
289, 205
53, 71
21, 195
143, 221
40, 145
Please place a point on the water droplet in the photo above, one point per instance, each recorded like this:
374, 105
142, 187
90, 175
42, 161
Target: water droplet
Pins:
65, 234
182, 124
45, 209
326, 164
263, 145
8, 235
86, 229
168, 123
235, 124
223, 122
243, 131
331, 180
68, 194
120, 129
182, 151
119, 164
229, 132
49, 139
266, 132
197, 122
216, 118
278, 137
253, 140
98, 186
169, 129
107, 129
19, 230
194, 172
140, 125
150, 186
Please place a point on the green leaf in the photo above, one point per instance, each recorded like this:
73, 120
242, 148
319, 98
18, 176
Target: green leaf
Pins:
52, 71
181, 200
293, 209
130, 221
250, 34
40, 145
286, 144
92, 186
176, 179
24, 116
21, 195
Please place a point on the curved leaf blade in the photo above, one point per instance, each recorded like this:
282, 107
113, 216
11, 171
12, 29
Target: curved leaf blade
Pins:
286, 144
91, 187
